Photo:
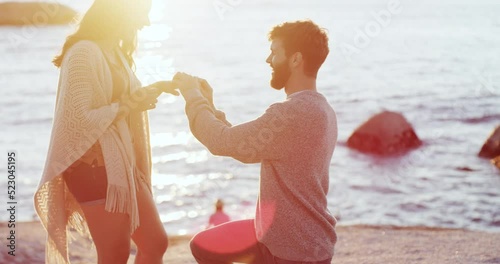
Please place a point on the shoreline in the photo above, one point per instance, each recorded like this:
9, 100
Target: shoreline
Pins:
356, 244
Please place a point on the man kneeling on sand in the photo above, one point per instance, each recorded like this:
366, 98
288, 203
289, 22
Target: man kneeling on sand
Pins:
294, 142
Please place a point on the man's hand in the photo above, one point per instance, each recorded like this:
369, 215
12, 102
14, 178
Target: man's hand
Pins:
207, 91
185, 82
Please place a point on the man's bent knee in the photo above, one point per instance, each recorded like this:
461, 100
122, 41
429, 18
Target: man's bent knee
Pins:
195, 247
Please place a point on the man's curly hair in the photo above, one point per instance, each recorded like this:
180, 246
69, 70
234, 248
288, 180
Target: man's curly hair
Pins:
305, 37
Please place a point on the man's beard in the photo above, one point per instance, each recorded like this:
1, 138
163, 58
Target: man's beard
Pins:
280, 76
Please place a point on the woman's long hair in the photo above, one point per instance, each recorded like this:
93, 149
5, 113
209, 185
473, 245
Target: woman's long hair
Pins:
105, 18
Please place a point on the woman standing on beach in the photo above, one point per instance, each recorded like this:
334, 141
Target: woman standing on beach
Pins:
97, 177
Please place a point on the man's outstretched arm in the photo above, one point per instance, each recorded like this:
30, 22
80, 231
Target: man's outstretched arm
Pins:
251, 142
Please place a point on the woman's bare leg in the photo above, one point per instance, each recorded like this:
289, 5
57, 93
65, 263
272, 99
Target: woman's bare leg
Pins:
110, 233
150, 237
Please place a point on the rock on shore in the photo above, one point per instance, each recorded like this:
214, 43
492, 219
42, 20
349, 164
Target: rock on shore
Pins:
496, 162
35, 13
386, 133
491, 147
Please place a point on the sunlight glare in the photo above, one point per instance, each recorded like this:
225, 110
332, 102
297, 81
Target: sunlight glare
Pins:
153, 68
157, 31
169, 139
174, 216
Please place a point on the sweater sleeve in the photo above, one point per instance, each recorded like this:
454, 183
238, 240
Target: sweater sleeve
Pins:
251, 142
83, 83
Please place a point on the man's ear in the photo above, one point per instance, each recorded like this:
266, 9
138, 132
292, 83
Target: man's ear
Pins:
296, 59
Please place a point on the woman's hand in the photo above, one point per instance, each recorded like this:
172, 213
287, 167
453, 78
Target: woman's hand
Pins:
165, 87
141, 100
145, 98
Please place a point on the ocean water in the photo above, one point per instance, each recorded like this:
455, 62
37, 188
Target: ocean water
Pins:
437, 63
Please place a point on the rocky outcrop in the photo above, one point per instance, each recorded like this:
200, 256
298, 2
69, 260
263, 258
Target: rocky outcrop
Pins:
491, 147
496, 162
387, 133
35, 13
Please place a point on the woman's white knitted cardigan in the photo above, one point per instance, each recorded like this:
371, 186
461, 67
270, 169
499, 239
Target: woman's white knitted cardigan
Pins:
84, 114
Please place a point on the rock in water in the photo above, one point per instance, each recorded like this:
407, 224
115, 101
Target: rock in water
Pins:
496, 162
491, 147
386, 133
35, 13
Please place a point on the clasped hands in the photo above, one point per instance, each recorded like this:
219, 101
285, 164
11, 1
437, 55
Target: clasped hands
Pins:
146, 98
187, 83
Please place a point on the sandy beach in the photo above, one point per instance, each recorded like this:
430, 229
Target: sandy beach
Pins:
357, 244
